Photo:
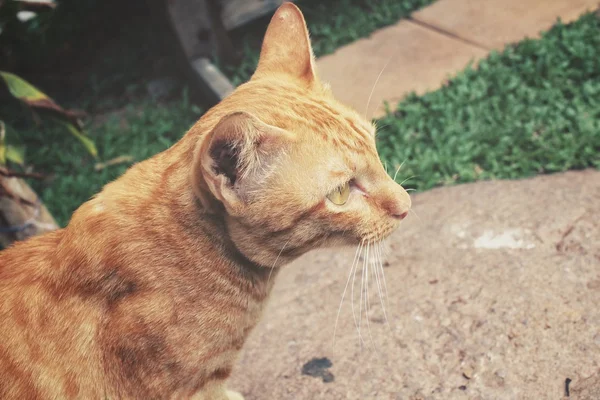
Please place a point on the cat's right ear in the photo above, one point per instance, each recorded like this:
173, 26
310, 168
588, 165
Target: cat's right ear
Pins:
234, 157
286, 47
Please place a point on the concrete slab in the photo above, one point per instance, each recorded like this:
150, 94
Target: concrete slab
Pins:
493, 293
420, 54
393, 62
495, 23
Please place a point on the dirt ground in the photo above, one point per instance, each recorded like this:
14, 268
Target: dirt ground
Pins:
493, 293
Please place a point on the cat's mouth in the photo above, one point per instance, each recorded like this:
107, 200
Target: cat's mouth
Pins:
383, 232
344, 238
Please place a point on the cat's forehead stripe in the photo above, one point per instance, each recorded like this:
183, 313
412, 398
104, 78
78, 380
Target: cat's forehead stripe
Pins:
293, 108
338, 115
332, 126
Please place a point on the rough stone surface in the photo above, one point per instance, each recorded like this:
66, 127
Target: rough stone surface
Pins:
495, 23
393, 62
493, 293
587, 389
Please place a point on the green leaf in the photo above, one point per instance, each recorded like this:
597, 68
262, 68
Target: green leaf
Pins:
35, 98
15, 154
23, 90
86, 141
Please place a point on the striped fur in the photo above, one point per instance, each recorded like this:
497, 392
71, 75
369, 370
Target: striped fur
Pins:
153, 287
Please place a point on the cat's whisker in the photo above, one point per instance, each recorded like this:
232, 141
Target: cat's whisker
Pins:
385, 290
383, 126
381, 260
343, 234
354, 263
416, 215
381, 269
375, 84
398, 170
367, 300
356, 324
385, 315
407, 179
411, 190
396, 173
275, 263
362, 289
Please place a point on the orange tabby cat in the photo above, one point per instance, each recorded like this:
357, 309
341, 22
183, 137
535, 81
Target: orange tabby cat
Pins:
154, 285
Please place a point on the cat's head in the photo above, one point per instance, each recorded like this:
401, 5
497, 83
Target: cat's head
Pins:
292, 168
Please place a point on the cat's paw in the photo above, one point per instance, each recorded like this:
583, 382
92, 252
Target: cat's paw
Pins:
231, 395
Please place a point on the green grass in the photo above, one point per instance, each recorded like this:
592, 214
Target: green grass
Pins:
331, 24
533, 108
139, 131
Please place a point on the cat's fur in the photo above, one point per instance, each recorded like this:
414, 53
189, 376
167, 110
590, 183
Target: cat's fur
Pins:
154, 285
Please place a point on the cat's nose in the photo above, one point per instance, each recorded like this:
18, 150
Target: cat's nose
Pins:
400, 216
397, 209
397, 203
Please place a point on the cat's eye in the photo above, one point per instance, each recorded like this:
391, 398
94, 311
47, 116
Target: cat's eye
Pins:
339, 196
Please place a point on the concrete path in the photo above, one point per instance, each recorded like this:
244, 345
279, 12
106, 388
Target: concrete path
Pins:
420, 53
493, 293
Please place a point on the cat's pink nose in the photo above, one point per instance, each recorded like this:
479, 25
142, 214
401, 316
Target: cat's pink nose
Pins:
397, 209
397, 203
400, 216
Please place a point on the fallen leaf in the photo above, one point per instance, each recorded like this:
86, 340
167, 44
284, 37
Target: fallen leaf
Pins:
115, 161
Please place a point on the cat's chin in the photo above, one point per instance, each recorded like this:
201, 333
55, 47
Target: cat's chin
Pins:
342, 241
345, 240
380, 237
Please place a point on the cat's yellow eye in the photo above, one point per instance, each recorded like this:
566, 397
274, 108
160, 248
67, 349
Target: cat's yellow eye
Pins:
340, 195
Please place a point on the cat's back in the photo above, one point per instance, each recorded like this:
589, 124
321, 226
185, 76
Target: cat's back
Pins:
26, 262
27, 273
41, 328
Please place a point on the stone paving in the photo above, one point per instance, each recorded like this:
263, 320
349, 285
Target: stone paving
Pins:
420, 53
493, 288
493, 293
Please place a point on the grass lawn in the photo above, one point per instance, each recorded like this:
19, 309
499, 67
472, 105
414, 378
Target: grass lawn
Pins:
533, 108
139, 131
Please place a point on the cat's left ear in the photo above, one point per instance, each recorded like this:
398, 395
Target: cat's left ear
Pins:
234, 158
286, 47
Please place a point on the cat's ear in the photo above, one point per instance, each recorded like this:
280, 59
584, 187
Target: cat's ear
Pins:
234, 158
286, 47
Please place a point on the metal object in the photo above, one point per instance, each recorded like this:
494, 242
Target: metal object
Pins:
201, 28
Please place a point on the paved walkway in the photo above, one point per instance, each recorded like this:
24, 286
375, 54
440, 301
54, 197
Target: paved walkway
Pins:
420, 53
489, 298
493, 289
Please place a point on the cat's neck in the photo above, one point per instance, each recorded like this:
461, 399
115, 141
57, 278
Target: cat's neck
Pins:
214, 227
157, 210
